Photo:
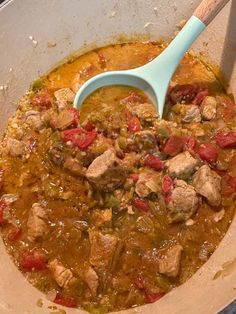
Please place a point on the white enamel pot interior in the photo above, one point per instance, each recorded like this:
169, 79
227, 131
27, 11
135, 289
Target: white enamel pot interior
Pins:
27, 30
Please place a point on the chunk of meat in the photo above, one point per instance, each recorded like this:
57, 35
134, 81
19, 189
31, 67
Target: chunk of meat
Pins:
64, 95
148, 182
226, 139
106, 171
183, 202
208, 108
173, 146
208, 184
74, 166
33, 119
68, 118
103, 217
167, 185
192, 114
91, 279
62, 275
182, 165
145, 112
36, 224
15, 148
208, 152
170, 262
145, 140
102, 248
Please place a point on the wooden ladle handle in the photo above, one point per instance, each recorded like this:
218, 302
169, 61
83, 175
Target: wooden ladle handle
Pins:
208, 9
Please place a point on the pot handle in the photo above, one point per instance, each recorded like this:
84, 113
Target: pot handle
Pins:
208, 9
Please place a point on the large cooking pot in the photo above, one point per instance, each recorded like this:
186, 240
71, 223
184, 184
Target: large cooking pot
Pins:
34, 37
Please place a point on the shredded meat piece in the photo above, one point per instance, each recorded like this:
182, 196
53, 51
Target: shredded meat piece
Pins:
64, 94
91, 278
102, 248
147, 183
106, 171
63, 276
183, 202
208, 108
208, 184
37, 226
182, 165
170, 262
15, 148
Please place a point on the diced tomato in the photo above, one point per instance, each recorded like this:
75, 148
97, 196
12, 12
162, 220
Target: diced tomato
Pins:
226, 139
153, 162
200, 97
65, 301
153, 297
33, 260
89, 126
232, 182
228, 191
229, 185
167, 185
42, 100
134, 125
79, 137
173, 146
229, 109
167, 199
14, 234
134, 97
208, 152
141, 204
184, 93
134, 177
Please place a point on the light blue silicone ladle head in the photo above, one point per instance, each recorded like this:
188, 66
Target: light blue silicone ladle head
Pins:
154, 77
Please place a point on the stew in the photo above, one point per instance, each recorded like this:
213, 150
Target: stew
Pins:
112, 207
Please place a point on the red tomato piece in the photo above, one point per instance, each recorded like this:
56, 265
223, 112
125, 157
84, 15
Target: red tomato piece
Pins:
173, 146
153, 297
79, 137
184, 93
208, 152
232, 182
42, 100
134, 177
200, 97
134, 125
226, 139
167, 185
65, 301
153, 162
141, 204
14, 234
33, 260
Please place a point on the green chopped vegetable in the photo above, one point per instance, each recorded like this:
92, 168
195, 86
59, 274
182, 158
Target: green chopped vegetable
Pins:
36, 85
